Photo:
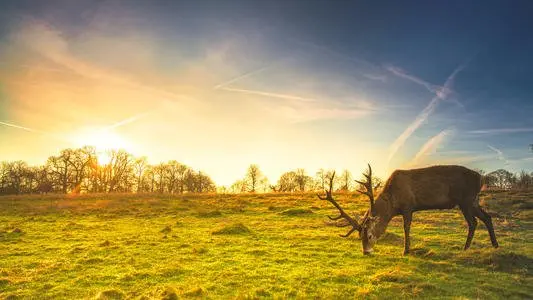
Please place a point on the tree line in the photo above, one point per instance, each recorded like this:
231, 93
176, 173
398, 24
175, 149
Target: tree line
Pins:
504, 180
82, 171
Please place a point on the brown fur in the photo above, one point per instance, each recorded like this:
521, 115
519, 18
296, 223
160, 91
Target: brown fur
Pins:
436, 187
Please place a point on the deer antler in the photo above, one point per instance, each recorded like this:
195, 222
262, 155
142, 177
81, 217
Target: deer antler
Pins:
355, 225
369, 188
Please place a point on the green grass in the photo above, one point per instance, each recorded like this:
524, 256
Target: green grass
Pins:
252, 246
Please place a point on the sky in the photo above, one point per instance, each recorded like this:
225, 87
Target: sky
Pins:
219, 85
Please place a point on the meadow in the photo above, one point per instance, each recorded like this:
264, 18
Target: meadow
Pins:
122, 246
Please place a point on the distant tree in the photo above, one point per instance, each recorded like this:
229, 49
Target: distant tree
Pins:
238, 186
60, 169
524, 180
345, 181
160, 171
287, 182
80, 161
302, 180
254, 178
501, 179
320, 179
140, 166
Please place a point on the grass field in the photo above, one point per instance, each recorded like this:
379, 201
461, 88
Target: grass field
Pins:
252, 246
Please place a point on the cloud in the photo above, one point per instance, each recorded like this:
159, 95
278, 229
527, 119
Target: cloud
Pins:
300, 109
249, 74
442, 92
268, 94
426, 112
20, 127
501, 130
402, 74
432, 144
50, 42
499, 153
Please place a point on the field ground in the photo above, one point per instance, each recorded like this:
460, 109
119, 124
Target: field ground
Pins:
252, 246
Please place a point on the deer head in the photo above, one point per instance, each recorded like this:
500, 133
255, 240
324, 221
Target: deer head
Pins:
366, 227
369, 234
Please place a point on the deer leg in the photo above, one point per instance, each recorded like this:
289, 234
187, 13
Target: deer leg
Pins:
407, 218
487, 220
472, 224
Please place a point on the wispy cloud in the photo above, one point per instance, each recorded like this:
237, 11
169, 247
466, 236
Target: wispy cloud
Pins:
301, 109
499, 154
432, 144
50, 43
248, 74
20, 127
402, 74
128, 120
442, 92
422, 117
268, 94
501, 130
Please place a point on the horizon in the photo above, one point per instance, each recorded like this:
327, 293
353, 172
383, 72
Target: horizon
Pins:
282, 85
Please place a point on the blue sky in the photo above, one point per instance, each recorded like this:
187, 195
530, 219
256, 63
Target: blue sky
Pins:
284, 84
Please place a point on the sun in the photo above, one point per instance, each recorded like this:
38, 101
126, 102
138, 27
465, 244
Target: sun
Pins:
103, 140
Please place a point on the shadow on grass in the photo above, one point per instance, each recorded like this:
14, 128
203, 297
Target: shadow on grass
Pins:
498, 260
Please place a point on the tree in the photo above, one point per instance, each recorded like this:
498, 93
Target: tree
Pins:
80, 161
321, 179
238, 186
254, 178
503, 179
287, 182
140, 166
302, 180
60, 168
524, 180
346, 181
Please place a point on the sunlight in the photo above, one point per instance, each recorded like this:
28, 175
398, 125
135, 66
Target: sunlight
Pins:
102, 140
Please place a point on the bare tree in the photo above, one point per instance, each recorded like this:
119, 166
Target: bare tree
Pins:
346, 181
140, 166
321, 179
60, 168
254, 178
287, 182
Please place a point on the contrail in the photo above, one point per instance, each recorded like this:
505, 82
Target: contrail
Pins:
400, 73
128, 120
501, 130
422, 117
499, 153
440, 91
245, 75
268, 94
20, 127
432, 144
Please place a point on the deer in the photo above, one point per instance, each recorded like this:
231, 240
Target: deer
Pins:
409, 191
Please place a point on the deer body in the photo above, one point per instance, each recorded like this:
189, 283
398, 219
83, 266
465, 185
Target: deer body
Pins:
408, 191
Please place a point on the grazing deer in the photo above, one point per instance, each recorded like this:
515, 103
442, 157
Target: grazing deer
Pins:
407, 191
